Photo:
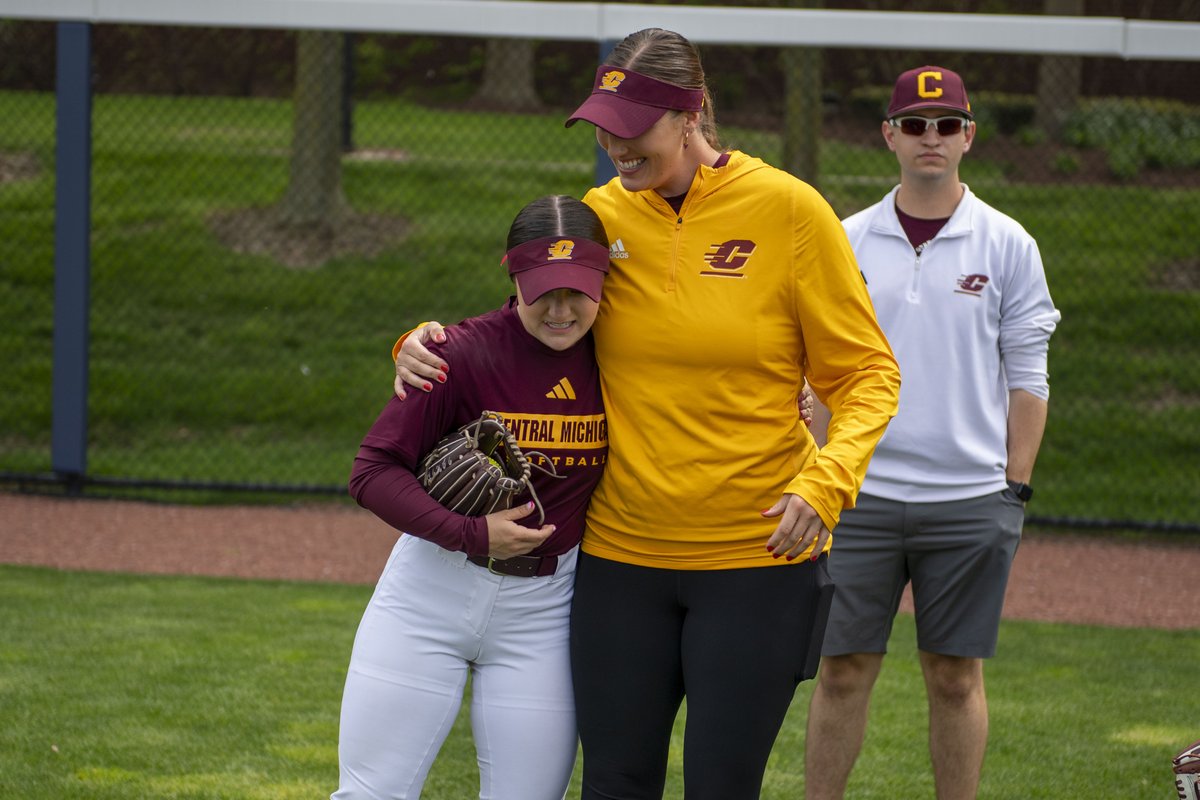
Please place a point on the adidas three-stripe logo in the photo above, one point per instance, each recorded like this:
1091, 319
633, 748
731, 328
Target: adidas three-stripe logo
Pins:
617, 250
563, 390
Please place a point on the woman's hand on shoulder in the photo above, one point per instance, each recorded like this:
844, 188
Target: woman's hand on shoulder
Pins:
507, 538
415, 365
799, 528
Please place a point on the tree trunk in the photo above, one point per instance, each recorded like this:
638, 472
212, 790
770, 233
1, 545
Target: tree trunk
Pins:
314, 195
1060, 78
508, 80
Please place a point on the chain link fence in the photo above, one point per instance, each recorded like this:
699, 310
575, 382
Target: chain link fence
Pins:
270, 208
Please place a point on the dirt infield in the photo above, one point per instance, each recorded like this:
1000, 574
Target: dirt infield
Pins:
1056, 577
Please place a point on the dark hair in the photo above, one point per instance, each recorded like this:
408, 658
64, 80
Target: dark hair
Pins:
669, 57
556, 215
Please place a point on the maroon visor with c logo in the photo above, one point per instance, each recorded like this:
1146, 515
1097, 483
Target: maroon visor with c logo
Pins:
627, 104
558, 262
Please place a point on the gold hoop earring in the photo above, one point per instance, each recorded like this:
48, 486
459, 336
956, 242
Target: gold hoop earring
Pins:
686, 134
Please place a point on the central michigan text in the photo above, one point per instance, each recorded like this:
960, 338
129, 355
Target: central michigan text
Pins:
550, 431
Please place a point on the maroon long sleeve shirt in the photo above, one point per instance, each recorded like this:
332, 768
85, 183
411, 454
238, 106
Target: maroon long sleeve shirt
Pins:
551, 402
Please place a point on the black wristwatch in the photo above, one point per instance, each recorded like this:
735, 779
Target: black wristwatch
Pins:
1023, 491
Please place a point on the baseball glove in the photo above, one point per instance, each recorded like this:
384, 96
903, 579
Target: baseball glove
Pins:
479, 469
1187, 772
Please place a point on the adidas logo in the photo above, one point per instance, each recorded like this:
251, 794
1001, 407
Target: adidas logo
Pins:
617, 250
563, 390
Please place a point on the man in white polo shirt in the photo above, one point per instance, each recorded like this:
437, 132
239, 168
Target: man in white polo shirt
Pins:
961, 294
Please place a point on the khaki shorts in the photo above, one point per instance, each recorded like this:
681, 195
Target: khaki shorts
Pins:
957, 555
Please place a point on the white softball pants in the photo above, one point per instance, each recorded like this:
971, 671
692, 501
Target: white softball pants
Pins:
435, 618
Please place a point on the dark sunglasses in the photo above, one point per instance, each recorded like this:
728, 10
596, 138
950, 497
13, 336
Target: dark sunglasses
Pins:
916, 126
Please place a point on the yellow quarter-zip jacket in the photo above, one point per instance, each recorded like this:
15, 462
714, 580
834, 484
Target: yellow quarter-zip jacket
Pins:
710, 320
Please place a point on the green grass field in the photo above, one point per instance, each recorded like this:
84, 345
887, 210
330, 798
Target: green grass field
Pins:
124, 686
213, 365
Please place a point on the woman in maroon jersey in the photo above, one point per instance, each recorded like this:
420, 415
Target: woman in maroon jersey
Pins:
487, 596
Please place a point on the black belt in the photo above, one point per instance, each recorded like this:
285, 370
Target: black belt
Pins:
519, 566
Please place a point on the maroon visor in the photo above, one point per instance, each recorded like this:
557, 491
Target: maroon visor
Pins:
556, 262
626, 103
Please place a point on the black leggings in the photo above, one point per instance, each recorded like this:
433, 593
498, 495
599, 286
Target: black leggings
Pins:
736, 642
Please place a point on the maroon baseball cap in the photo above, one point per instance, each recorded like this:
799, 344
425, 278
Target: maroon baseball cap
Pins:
626, 103
929, 87
558, 262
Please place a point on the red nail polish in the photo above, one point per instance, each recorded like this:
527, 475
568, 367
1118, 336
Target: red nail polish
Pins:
775, 555
789, 558
441, 377
445, 368
770, 548
427, 387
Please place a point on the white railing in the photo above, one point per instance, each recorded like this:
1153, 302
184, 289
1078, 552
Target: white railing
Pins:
1002, 33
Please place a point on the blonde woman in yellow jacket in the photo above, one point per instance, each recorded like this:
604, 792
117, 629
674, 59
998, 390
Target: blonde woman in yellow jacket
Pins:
702, 571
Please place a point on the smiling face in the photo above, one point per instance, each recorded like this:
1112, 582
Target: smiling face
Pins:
656, 160
559, 318
930, 157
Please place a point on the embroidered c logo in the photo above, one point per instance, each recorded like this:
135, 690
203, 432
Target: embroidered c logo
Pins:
731, 255
611, 81
560, 250
923, 90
